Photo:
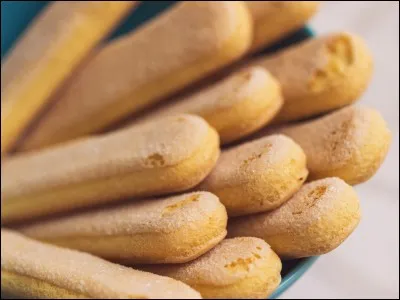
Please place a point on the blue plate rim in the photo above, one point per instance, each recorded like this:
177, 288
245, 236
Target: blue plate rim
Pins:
295, 274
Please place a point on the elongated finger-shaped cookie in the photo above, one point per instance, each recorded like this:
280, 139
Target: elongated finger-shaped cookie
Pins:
184, 44
350, 143
316, 220
236, 106
33, 270
320, 74
257, 176
275, 19
169, 230
49, 51
168, 155
243, 267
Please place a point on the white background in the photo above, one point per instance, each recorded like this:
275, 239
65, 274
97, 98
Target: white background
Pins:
367, 264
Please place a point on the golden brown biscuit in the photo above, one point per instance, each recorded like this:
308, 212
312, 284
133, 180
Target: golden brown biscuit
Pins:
244, 267
275, 19
184, 44
32, 270
48, 52
168, 155
316, 220
169, 230
350, 143
257, 176
320, 74
235, 106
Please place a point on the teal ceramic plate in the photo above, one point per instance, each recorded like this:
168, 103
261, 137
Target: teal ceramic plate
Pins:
17, 15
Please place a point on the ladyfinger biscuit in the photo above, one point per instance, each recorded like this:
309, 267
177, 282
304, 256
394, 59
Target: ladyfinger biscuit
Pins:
35, 270
275, 19
235, 106
170, 230
316, 220
257, 176
184, 44
350, 143
243, 267
49, 51
168, 155
320, 74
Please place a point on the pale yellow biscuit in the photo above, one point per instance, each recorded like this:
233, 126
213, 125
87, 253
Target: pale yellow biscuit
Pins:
316, 220
182, 45
167, 230
235, 106
239, 268
54, 45
320, 74
275, 19
168, 155
257, 176
350, 143
33, 270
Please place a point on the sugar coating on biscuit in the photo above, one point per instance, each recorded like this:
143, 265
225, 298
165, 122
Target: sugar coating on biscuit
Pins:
221, 95
350, 143
275, 19
227, 263
164, 142
258, 175
158, 216
140, 68
313, 64
316, 220
176, 229
307, 206
340, 56
240, 163
243, 267
334, 137
81, 273
56, 43
320, 74
235, 106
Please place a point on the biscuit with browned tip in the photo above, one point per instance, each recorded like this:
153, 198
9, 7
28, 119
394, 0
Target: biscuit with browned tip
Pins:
316, 220
320, 74
238, 268
257, 176
350, 143
166, 230
235, 106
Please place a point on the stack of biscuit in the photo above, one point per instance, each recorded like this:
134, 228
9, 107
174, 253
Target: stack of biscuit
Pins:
137, 182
